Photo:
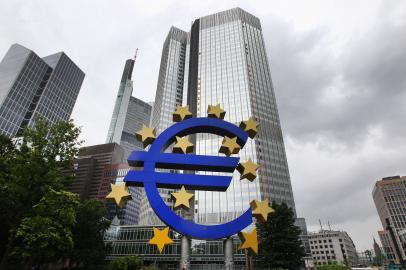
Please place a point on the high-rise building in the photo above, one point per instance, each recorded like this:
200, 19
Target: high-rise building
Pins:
114, 174
222, 60
32, 87
89, 168
95, 169
332, 247
129, 114
304, 236
168, 96
390, 200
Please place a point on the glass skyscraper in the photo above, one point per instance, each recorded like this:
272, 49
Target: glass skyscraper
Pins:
222, 60
129, 114
32, 87
168, 95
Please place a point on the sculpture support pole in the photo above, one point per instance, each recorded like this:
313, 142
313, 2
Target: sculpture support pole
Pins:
185, 253
228, 254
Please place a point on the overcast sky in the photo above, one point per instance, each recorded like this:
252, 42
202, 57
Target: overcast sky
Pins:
338, 67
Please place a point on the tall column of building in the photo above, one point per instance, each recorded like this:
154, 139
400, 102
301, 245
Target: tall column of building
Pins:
390, 200
168, 95
228, 66
129, 114
32, 87
121, 106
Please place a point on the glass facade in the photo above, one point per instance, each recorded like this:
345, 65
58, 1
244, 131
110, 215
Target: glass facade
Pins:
138, 113
32, 87
129, 213
133, 240
222, 60
233, 71
129, 114
168, 95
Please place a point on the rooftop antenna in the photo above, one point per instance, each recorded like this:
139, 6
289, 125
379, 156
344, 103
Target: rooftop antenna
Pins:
321, 226
329, 225
135, 55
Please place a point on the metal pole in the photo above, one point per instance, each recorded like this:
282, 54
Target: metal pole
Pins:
228, 254
185, 253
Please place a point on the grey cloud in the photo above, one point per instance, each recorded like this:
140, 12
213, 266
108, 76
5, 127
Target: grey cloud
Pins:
369, 73
348, 103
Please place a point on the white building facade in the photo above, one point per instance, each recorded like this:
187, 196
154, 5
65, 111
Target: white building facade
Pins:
332, 247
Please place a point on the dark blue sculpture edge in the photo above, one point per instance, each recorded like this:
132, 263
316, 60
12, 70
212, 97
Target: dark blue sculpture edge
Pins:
155, 158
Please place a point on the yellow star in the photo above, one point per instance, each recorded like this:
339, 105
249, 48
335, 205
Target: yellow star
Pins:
181, 113
182, 146
216, 111
182, 198
146, 135
249, 241
229, 146
160, 238
250, 126
248, 170
119, 195
261, 210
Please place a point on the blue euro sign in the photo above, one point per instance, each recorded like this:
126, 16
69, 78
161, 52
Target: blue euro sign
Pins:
155, 158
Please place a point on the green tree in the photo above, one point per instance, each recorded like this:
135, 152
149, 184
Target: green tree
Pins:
46, 236
279, 244
90, 250
125, 263
30, 167
7, 151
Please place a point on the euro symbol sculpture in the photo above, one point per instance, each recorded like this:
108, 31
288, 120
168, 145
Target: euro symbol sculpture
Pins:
156, 158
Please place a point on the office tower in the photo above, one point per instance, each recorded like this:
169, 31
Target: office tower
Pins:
228, 66
170, 80
32, 87
168, 96
390, 200
222, 60
129, 114
332, 247
89, 168
304, 237
114, 174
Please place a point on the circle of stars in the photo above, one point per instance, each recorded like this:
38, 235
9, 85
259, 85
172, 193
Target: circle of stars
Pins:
229, 146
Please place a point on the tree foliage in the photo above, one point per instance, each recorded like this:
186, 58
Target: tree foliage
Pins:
46, 236
88, 232
125, 263
39, 221
279, 244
